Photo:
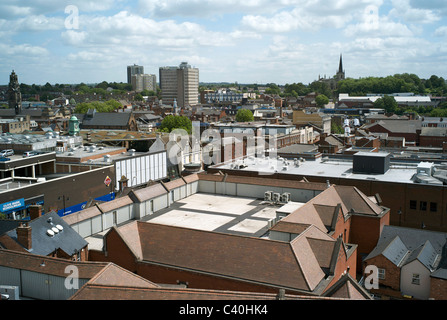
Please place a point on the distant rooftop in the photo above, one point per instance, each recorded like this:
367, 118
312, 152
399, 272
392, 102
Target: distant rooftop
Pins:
399, 171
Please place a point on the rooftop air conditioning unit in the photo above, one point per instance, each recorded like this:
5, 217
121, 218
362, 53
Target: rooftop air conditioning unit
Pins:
285, 197
276, 197
268, 195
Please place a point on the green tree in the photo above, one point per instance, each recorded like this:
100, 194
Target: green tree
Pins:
108, 106
386, 102
272, 89
172, 122
244, 115
138, 97
336, 128
321, 100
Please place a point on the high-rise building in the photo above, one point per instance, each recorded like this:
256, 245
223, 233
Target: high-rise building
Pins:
181, 84
142, 82
132, 70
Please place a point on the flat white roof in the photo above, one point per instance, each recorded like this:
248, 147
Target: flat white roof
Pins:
345, 96
324, 167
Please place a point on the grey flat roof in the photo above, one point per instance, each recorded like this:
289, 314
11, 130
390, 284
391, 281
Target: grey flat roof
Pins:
325, 167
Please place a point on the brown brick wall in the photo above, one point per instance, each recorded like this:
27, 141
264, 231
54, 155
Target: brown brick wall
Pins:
116, 251
438, 289
365, 232
392, 273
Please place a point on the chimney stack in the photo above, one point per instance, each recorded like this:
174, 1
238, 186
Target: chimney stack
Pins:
35, 211
24, 235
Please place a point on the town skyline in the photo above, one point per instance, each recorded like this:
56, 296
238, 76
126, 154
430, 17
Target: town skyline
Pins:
255, 42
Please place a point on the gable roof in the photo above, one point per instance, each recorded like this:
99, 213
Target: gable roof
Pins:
397, 126
346, 287
120, 119
292, 265
433, 131
404, 245
395, 251
67, 240
323, 209
425, 254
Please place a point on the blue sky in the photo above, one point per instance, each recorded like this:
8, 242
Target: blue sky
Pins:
253, 41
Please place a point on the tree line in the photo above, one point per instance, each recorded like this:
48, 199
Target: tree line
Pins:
397, 83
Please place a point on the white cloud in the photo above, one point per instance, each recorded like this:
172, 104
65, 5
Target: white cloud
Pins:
441, 31
382, 27
403, 9
25, 49
11, 9
126, 29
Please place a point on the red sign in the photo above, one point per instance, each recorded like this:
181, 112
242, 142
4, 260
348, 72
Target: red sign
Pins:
107, 181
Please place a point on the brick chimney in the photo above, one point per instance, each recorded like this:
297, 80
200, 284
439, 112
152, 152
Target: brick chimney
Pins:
35, 211
24, 235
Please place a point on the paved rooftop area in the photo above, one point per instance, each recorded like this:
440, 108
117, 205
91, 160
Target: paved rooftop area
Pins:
211, 212
235, 215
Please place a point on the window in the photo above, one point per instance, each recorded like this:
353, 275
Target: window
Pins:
423, 205
413, 204
381, 274
415, 279
433, 207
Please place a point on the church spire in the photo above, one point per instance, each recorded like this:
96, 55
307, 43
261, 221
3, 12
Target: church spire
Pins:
340, 67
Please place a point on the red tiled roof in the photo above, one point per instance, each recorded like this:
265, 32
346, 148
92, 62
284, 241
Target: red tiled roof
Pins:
95, 292
174, 184
53, 266
191, 178
113, 275
84, 214
293, 265
149, 192
115, 204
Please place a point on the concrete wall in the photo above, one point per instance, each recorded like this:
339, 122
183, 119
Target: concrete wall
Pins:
253, 191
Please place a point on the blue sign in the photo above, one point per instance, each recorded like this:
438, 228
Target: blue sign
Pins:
12, 205
81, 206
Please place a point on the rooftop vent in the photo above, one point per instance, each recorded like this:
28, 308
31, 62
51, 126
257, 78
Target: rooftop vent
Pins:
50, 233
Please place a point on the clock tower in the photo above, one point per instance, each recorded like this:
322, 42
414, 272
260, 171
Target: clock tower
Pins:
14, 95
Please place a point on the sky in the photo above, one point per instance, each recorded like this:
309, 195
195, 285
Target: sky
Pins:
250, 41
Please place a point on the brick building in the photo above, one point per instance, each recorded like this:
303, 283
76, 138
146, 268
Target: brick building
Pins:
411, 264
408, 129
217, 261
314, 257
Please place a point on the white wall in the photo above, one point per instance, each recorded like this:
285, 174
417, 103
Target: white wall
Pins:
421, 291
253, 191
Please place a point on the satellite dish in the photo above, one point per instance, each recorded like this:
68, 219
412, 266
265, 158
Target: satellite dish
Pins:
50, 232
55, 230
59, 227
